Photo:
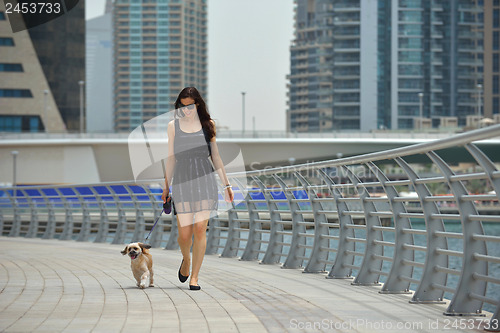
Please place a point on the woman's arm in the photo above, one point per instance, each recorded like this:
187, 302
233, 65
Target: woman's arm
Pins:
170, 165
219, 166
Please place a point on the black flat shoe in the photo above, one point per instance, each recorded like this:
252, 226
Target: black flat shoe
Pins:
182, 278
191, 287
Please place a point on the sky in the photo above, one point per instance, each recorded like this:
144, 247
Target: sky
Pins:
248, 51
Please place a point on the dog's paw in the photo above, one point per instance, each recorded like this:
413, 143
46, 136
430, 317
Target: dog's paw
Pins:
152, 285
142, 286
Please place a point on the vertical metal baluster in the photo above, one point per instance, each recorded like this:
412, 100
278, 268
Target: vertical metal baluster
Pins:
121, 223
393, 284
103, 230
34, 221
319, 254
86, 225
68, 227
252, 248
425, 293
157, 234
339, 271
462, 304
487, 165
50, 229
15, 228
140, 224
294, 260
233, 235
366, 276
274, 247
172, 243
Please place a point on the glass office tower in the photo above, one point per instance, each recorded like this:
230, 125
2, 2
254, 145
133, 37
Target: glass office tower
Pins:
160, 47
367, 62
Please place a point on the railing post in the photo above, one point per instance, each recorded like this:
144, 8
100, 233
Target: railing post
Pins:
50, 229
274, 247
172, 243
213, 236
233, 233
393, 284
370, 263
139, 229
462, 304
425, 292
121, 223
252, 248
103, 230
339, 270
84, 233
15, 229
157, 233
487, 165
319, 254
34, 221
67, 232
296, 251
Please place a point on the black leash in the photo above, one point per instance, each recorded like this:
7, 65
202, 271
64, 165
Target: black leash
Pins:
167, 207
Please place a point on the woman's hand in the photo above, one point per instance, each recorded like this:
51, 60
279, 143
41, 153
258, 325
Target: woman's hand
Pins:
164, 195
229, 194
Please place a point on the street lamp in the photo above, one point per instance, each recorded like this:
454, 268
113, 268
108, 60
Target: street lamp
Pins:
81, 83
14, 157
479, 87
243, 112
45, 119
421, 107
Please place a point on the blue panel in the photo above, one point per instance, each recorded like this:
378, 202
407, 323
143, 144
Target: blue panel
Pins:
102, 190
119, 189
84, 191
67, 191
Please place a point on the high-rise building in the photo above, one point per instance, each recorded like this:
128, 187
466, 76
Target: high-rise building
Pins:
491, 58
39, 73
160, 47
99, 73
374, 64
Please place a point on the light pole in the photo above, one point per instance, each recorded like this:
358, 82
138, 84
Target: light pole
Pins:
14, 167
421, 107
45, 119
81, 83
243, 112
479, 87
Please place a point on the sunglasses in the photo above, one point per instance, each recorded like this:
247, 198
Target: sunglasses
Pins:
189, 107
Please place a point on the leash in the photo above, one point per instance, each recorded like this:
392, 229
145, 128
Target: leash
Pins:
167, 207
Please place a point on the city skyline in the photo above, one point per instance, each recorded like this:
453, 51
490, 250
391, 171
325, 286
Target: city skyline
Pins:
244, 56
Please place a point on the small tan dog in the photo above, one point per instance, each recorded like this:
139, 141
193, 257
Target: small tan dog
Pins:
141, 263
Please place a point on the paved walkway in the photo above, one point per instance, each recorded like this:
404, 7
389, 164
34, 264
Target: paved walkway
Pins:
66, 286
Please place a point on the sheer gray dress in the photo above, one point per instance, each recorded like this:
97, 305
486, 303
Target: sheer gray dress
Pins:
194, 187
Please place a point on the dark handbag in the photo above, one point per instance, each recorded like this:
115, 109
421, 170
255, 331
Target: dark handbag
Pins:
167, 206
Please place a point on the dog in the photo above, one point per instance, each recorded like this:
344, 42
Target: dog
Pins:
141, 263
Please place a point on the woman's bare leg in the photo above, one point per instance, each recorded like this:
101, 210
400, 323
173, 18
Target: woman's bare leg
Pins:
199, 245
185, 239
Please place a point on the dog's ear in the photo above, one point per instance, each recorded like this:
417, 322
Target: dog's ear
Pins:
144, 246
124, 252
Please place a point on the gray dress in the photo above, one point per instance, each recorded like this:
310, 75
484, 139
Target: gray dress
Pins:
194, 187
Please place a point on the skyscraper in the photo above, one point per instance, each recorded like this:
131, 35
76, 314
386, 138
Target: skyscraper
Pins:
160, 47
39, 73
372, 59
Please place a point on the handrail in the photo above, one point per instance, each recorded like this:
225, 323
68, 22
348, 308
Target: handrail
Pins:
348, 218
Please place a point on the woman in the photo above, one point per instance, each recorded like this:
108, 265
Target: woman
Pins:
191, 146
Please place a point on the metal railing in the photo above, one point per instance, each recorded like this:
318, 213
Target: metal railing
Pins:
430, 229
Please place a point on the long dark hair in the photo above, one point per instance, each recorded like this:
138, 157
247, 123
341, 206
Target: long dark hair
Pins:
201, 107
